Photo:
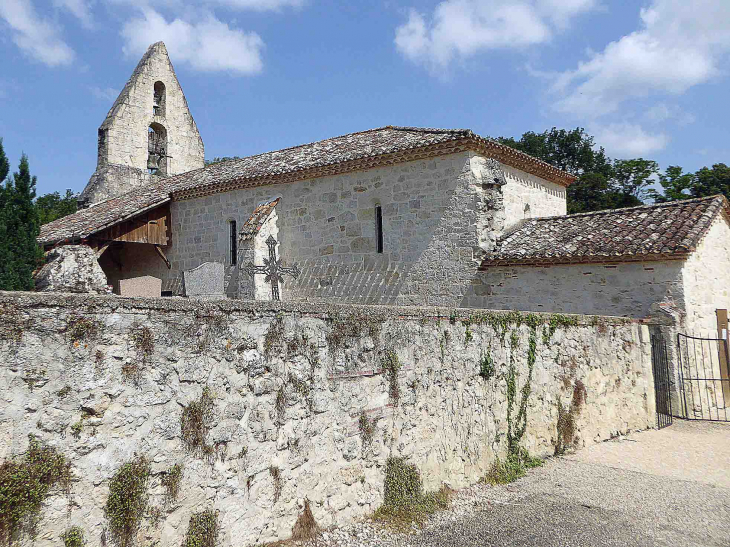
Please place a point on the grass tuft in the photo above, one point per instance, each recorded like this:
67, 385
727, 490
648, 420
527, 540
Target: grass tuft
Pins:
203, 529
127, 501
305, 527
404, 501
25, 484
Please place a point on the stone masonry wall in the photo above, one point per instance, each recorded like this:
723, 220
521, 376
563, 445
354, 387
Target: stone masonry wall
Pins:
528, 196
123, 140
433, 213
707, 280
289, 384
629, 289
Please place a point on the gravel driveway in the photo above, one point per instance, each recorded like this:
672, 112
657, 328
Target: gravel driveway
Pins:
655, 488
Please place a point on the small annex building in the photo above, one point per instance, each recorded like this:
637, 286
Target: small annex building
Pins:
394, 215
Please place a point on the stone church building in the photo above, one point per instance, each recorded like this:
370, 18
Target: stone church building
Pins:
394, 215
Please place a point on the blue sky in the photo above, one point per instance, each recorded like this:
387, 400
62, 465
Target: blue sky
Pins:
646, 78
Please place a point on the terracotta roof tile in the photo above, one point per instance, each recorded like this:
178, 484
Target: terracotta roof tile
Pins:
647, 232
252, 226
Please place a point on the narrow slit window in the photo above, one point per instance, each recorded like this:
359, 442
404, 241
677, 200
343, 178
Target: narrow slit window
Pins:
379, 228
234, 241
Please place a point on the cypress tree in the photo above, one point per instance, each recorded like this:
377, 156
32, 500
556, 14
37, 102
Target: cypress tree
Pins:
20, 219
6, 257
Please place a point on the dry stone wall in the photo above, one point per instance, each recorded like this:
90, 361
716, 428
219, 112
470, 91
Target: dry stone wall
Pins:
103, 379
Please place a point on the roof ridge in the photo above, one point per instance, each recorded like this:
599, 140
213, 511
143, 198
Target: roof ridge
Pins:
393, 127
465, 131
290, 148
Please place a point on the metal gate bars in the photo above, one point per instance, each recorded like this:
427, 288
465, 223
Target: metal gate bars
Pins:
703, 369
662, 381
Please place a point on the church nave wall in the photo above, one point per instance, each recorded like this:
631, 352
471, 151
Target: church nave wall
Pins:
328, 227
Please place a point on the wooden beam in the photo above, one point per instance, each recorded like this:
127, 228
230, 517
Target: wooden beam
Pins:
162, 256
100, 251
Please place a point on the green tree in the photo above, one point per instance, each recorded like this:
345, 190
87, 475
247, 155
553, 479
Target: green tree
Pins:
602, 183
632, 178
675, 184
6, 255
20, 254
219, 160
709, 182
54, 206
573, 151
4, 164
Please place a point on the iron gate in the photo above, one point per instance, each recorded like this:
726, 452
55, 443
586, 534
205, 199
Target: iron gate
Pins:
662, 381
703, 369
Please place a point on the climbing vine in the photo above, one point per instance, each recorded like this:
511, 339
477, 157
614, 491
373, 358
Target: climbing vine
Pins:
516, 427
367, 429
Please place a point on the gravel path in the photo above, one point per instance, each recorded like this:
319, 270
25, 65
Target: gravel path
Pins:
630, 499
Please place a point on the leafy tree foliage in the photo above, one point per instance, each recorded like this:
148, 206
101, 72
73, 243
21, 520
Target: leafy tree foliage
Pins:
54, 206
602, 183
705, 182
219, 160
709, 182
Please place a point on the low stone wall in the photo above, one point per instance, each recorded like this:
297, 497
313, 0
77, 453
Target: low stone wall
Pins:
103, 378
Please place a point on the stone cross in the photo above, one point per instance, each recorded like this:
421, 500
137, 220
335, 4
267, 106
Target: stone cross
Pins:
273, 269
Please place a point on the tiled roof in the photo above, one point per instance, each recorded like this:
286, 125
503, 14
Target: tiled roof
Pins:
103, 214
366, 149
252, 226
647, 232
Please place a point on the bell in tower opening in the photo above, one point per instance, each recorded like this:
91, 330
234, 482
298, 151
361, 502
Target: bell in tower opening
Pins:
148, 132
156, 150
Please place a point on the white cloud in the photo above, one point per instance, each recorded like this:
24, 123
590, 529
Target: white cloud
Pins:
38, 38
79, 8
243, 5
629, 140
260, 5
206, 45
106, 94
662, 112
681, 44
461, 28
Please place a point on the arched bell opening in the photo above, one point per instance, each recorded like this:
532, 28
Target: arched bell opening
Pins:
158, 99
156, 149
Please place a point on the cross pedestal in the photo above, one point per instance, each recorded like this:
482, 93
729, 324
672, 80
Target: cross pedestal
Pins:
272, 269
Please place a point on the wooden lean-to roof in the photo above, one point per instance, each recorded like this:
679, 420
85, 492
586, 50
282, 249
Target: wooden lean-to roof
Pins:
353, 152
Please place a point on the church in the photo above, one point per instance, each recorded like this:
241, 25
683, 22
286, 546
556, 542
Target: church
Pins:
394, 215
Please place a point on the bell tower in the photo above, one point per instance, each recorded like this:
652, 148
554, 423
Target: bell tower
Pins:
148, 133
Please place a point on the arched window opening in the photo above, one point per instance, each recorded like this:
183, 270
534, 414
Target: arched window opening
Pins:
156, 150
158, 99
379, 228
528, 214
233, 242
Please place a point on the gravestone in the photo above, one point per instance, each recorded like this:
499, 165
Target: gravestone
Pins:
145, 286
206, 281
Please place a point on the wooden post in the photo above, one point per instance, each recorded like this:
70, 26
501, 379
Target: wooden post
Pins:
722, 332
